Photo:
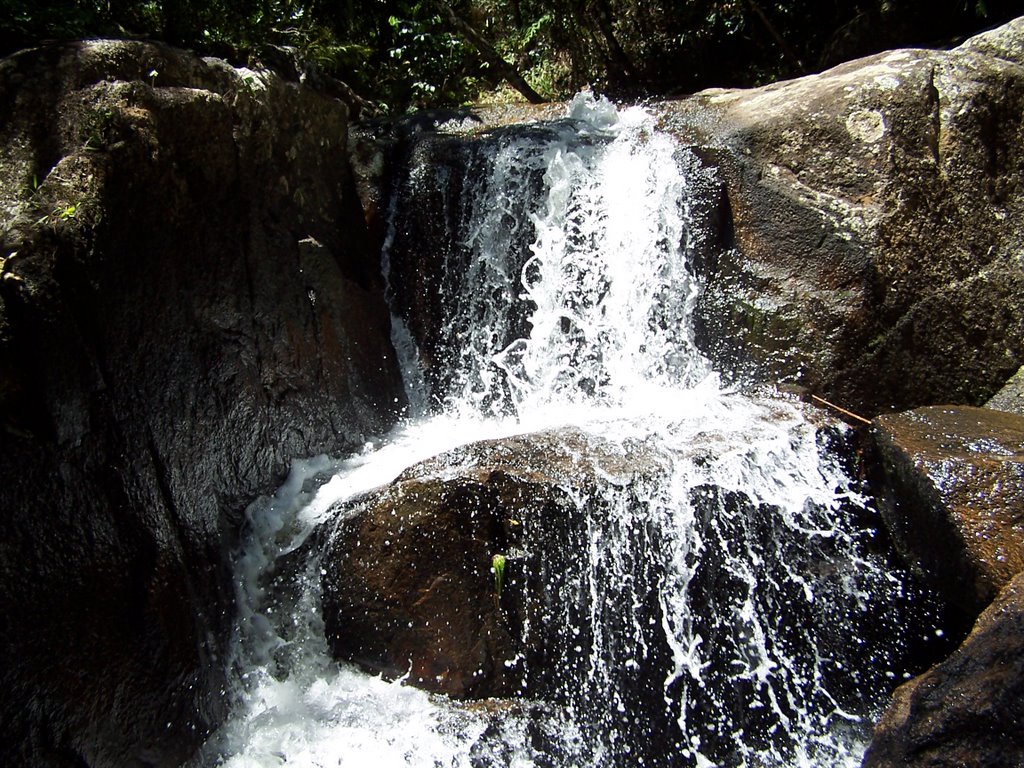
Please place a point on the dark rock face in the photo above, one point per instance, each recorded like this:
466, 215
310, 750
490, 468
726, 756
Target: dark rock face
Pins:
439, 179
876, 216
967, 710
409, 584
410, 587
956, 485
187, 300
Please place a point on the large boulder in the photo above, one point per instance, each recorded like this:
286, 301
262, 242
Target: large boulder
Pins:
621, 560
967, 710
874, 237
955, 490
408, 576
188, 300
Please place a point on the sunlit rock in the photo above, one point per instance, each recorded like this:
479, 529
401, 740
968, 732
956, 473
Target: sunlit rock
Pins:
1011, 396
955, 479
876, 216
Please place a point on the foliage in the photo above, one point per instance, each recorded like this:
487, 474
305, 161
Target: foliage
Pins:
432, 59
498, 568
403, 54
662, 47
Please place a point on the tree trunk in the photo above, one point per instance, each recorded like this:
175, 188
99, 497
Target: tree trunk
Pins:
787, 51
617, 57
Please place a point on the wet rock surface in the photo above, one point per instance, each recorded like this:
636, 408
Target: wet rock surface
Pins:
875, 224
955, 478
583, 619
187, 300
409, 581
954, 504
967, 710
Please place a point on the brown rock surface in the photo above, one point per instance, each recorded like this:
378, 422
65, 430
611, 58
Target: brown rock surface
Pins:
968, 710
409, 588
955, 478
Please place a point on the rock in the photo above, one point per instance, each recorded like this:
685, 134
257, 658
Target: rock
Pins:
875, 225
409, 585
438, 179
1011, 396
605, 566
955, 485
188, 301
967, 710
372, 143
1003, 42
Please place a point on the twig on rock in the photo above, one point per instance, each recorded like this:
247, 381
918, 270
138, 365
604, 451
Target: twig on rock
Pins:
843, 411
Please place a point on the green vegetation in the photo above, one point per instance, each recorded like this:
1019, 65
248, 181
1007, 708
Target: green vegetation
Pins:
403, 54
498, 567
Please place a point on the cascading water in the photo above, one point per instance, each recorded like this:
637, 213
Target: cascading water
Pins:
726, 609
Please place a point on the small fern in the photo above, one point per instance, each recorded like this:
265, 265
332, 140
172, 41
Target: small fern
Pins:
498, 568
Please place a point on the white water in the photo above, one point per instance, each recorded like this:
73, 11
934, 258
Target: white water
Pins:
607, 292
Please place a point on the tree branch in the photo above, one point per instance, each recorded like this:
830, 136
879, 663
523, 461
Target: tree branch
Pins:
787, 51
487, 52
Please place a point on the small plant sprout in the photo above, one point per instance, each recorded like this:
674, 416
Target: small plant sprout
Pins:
498, 568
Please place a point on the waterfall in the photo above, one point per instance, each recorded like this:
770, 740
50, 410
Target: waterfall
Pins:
731, 608
567, 282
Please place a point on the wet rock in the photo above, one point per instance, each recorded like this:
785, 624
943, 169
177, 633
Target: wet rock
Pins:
955, 487
875, 214
967, 710
409, 581
1011, 396
188, 300
440, 178
410, 587
606, 573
